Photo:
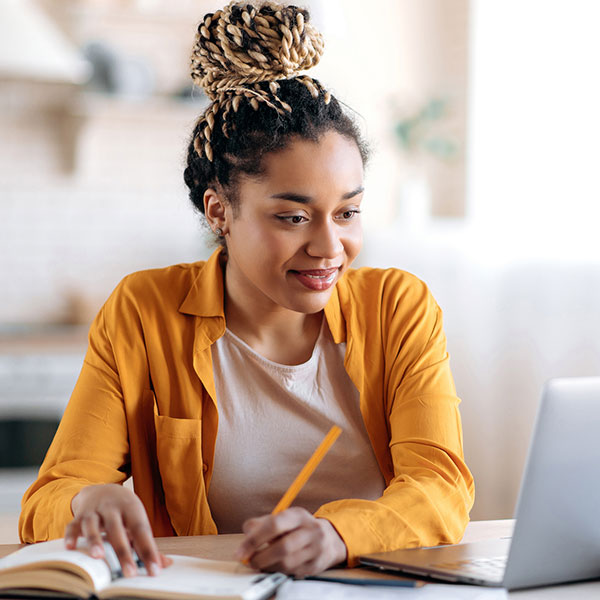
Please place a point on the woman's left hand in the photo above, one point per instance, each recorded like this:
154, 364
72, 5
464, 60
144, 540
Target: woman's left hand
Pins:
292, 542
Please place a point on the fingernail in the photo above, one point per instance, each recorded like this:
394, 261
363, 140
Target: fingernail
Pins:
249, 526
153, 569
167, 561
97, 551
129, 570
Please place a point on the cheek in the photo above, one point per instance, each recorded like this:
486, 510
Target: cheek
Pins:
353, 241
260, 245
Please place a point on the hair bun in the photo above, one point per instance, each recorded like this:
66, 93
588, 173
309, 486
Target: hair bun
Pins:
246, 43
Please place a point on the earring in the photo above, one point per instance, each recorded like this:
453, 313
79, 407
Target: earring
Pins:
219, 232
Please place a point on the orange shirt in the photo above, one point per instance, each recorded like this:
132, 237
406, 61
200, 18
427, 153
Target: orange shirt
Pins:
145, 405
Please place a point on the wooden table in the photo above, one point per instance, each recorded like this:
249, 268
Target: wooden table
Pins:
222, 547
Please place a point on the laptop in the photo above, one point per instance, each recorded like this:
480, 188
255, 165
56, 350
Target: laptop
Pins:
556, 538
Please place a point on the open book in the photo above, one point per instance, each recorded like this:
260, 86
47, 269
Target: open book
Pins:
49, 570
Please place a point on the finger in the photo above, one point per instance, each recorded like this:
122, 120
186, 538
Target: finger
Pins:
287, 552
143, 542
250, 526
90, 527
311, 567
117, 536
72, 532
165, 561
264, 530
249, 544
291, 563
330, 550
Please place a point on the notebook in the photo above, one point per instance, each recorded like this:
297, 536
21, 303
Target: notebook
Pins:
48, 570
556, 538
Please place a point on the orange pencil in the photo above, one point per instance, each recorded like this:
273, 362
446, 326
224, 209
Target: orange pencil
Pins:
307, 470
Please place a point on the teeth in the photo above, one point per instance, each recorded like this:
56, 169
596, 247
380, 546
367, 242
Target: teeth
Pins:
320, 276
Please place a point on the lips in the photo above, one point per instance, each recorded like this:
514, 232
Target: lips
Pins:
318, 272
316, 279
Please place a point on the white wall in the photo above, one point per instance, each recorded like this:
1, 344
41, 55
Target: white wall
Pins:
534, 205
535, 125
519, 279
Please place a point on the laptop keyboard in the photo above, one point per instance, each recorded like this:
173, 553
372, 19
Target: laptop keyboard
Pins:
486, 568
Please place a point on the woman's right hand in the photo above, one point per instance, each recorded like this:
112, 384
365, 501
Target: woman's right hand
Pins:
120, 514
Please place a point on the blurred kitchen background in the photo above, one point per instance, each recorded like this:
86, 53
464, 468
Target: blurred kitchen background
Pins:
484, 122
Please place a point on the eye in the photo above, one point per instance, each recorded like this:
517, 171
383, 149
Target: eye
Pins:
349, 214
293, 219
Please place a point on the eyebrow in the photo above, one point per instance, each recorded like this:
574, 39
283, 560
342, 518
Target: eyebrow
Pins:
307, 199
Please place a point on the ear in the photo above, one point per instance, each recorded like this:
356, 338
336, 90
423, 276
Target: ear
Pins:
215, 210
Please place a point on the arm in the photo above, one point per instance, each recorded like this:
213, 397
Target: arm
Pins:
430, 492
78, 491
90, 446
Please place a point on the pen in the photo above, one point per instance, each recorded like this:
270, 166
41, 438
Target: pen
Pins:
265, 585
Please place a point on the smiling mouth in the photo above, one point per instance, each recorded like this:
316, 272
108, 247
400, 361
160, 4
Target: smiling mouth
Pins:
318, 272
316, 279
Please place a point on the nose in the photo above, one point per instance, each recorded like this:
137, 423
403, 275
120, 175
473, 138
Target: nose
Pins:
325, 241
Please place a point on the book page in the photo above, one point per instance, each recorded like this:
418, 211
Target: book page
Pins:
188, 577
51, 581
48, 555
49, 566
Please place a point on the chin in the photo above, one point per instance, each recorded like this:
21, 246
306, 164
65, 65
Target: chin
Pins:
310, 306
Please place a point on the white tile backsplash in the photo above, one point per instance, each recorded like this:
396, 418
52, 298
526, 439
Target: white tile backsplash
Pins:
66, 235
37, 385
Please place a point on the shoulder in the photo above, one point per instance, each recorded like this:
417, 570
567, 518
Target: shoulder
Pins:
388, 306
386, 289
392, 310
180, 275
165, 287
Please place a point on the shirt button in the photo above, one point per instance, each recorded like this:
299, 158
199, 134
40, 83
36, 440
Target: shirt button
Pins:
204, 467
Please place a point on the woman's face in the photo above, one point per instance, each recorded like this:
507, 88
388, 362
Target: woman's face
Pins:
297, 227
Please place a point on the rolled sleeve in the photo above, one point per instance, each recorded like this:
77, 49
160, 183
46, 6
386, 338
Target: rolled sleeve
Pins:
430, 490
90, 445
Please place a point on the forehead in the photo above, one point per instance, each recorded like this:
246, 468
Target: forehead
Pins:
331, 160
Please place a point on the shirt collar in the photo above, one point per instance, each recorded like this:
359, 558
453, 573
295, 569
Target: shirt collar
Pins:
333, 314
206, 297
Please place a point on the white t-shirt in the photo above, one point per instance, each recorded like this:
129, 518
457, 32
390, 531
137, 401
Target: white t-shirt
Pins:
271, 419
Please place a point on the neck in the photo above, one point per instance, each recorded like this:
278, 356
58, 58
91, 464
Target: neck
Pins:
277, 333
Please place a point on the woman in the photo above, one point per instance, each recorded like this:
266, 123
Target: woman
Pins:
268, 343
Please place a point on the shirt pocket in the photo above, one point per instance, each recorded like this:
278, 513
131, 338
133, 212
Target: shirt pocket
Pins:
179, 453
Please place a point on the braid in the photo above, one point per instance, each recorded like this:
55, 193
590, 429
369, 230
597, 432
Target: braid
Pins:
242, 45
248, 60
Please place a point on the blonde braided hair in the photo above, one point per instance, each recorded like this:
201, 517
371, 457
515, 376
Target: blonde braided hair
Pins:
249, 59
240, 54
